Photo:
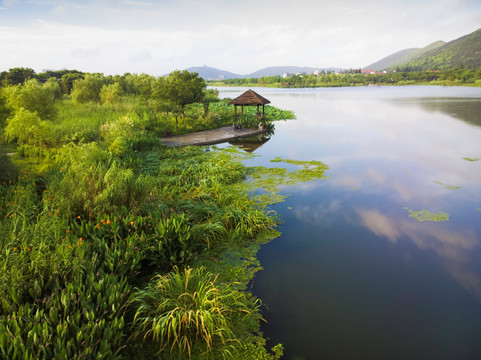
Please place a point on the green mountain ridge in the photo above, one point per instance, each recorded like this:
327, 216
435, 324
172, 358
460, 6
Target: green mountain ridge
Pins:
464, 52
403, 56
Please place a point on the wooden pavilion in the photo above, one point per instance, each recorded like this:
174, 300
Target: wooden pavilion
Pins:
249, 98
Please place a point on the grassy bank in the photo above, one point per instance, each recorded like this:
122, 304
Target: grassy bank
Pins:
113, 246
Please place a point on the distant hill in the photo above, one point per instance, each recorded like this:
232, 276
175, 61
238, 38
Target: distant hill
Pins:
209, 73
463, 52
280, 70
403, 56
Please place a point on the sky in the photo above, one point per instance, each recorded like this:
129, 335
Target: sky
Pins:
241, 36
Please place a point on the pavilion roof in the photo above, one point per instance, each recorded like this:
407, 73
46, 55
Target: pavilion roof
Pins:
250, 98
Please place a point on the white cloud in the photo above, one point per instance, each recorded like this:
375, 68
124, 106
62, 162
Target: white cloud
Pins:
184, 33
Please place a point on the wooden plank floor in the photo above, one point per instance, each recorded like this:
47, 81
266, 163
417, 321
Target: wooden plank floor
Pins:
209, 137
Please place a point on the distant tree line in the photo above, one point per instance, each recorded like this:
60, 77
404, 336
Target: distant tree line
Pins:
457, 76
131, 84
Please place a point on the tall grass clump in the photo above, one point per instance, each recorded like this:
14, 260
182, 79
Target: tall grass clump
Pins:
91, 180
190, 314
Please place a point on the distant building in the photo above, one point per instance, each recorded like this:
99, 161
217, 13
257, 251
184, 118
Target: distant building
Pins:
368, 71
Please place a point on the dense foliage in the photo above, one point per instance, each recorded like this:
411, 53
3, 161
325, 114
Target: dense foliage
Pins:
92, 208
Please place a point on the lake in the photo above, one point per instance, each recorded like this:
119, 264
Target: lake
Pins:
382, 260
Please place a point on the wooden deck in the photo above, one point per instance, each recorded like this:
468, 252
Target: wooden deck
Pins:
209, 137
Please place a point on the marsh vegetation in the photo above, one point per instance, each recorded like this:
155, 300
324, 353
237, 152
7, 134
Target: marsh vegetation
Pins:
114, 246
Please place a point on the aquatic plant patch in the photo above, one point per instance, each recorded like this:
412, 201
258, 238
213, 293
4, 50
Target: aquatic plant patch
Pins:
447, 186
265, 181
425, 215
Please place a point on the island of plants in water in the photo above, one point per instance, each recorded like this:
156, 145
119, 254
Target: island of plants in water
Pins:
113, 246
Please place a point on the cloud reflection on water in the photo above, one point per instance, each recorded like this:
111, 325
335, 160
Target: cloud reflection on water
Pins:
321, 215
453, 247
379, 224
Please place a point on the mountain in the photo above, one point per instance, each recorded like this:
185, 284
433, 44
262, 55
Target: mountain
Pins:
463, 52
280, 70
209, 73
403, 56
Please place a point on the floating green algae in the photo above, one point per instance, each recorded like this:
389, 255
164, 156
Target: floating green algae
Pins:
471, 159
447, 186
267, 180
425, 215
263, 182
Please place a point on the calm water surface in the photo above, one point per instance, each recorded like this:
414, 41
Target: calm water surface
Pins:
353, 276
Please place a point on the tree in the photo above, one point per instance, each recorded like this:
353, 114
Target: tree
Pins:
4, 109
32, 96
27, 127
179, 89
110, 94
87, 89
209, 96
53, 87
17, 76
68, 80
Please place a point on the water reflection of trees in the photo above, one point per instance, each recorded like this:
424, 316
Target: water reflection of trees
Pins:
467, 110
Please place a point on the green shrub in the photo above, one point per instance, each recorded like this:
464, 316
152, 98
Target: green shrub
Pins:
87, 89
110, 94
94, 181
53, 87
32, 96
26, 127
